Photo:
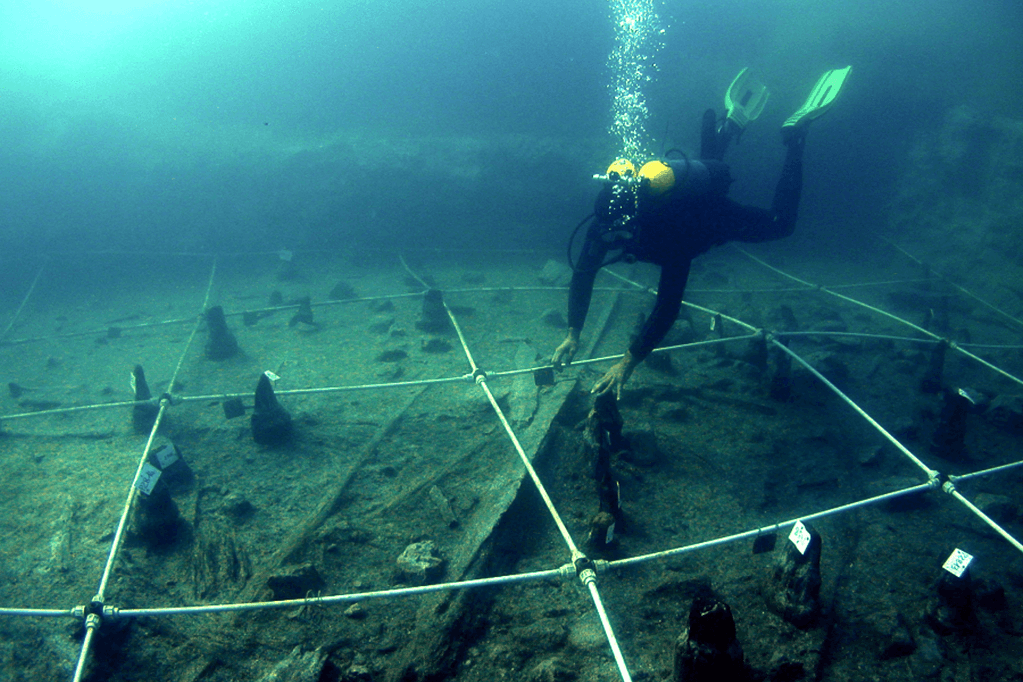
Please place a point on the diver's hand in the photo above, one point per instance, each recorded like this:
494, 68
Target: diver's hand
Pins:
564, 353
616, 376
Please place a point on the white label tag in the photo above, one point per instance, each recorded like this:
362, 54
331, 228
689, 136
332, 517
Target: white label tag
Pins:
131, 382
800, 537
957, 562
610, 537
271, 376
166, 455
147, 478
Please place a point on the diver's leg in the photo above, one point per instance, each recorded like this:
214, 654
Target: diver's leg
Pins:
734, 222
790, 185
714, 137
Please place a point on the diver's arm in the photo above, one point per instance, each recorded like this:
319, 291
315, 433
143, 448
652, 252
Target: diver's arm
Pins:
669, 299
670, 289
580, 292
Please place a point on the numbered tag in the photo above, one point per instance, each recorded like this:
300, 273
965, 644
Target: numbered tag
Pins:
800, 537
271, 376
147, 478
714, 323
165, 456
131, 382
610, 537
957, 562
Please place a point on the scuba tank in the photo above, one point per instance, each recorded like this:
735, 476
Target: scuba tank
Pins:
625, 191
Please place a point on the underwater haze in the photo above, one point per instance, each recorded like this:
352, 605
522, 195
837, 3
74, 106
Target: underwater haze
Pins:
333, 237
225, 126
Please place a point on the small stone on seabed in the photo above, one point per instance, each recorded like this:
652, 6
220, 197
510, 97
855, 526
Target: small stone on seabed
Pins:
355, 612
420, 563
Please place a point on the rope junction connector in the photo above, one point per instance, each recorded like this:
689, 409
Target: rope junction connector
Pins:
479, 375
585, 570
92, 613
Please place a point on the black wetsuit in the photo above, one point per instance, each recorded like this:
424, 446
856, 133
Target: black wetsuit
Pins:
673, 229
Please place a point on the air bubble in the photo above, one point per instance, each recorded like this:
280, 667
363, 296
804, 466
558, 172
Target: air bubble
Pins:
636, 25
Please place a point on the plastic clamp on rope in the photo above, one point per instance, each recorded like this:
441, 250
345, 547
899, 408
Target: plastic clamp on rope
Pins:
585, 570
479, 375
92, 612
168, 397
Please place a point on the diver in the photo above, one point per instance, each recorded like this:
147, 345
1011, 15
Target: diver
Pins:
675, 209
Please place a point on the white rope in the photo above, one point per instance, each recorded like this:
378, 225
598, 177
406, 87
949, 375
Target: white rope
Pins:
616, 651
587, 576
945, 278
931, 473
37, 613
481, 380
17, 312
949, 488
856, 335
664, 554
93, 623
985, 472
896, 318
562, 572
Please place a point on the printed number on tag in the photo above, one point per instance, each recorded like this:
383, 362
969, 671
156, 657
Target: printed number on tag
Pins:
147, 478
166, 455
957, 562
800, 537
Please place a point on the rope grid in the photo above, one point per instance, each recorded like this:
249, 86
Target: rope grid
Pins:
578, 566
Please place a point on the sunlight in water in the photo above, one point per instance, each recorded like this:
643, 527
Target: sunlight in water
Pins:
71, 33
